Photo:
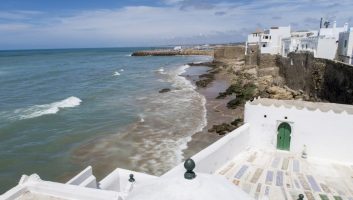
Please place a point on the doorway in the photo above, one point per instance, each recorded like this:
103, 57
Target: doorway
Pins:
284, 136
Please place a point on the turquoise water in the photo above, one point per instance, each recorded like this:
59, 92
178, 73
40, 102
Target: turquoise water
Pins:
61, 110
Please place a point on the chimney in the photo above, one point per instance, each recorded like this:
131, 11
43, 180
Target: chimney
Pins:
345, 27
334, 24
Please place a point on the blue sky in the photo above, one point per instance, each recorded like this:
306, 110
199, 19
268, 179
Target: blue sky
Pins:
27, 24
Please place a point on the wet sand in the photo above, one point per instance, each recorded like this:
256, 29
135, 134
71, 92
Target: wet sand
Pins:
217, 111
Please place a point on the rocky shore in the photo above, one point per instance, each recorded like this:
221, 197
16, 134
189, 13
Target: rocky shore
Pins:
227, 86
171, 52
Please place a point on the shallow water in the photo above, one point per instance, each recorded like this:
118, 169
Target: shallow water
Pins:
61, 110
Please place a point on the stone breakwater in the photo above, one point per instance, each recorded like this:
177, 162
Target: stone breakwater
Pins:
170, 52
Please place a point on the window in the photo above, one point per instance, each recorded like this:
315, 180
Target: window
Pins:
306, 46
345, 43
264, 45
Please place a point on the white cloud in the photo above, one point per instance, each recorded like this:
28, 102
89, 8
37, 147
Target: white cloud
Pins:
146, 25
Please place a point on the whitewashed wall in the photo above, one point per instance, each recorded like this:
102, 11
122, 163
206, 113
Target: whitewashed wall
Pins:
274, 41
254, 38
345, 53
218, 154
327, 135
326, 48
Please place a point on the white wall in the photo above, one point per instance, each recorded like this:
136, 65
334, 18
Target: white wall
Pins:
218, 154
117, 180
254, 38
274, 40
345, 53
327, 135
331, 32
326, 48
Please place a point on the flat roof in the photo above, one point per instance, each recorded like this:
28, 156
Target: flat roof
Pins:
271, 174
325, 107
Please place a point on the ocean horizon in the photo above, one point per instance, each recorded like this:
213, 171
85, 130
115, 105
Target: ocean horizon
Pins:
64, 109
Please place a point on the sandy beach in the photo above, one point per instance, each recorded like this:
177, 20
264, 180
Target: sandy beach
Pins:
217, 111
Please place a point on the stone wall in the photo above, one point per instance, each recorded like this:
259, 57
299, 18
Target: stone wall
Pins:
229, 53
338, 82
266, 61
320, 79
252, 55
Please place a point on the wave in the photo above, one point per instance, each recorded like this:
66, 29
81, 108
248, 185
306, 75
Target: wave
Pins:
47, 109
159, 136
116, 74
161, 71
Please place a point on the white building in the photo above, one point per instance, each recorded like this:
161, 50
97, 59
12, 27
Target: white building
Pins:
286, 148
253, 39
271, 39
345, 46
300, 41
323, 44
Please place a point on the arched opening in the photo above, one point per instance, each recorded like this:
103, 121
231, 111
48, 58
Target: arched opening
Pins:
283, 136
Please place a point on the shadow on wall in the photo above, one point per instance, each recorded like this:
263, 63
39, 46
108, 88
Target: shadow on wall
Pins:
321, 79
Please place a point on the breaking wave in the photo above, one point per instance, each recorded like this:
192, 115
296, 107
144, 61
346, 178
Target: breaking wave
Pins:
157, 140
47, 109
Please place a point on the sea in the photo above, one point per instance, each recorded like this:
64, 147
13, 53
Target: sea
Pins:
63, 110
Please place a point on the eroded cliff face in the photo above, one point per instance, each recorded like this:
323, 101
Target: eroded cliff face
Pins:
320, 79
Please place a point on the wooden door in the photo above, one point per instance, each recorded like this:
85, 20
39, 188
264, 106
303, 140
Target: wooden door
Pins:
283, 136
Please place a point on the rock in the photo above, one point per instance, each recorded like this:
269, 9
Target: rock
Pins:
233, 104
222, 129
237, 122
279, 93
164, 90
294, 93
264, 82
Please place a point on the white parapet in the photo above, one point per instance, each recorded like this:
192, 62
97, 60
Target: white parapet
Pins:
210, 159
33, 187
84, 178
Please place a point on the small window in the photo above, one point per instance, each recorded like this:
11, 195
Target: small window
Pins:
306, 46
265, 116
345, 43
270, 37
285, 117
264, 45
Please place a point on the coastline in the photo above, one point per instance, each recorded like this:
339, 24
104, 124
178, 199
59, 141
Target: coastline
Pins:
216, 109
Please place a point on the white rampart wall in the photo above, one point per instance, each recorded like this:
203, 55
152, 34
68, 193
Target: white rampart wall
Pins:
118, 180
218, 154
327, 135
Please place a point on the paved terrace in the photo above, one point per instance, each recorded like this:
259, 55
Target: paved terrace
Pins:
283, 175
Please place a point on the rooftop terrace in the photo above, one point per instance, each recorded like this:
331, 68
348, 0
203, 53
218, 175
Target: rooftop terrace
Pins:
274, 174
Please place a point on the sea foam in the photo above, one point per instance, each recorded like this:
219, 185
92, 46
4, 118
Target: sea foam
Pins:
47, 109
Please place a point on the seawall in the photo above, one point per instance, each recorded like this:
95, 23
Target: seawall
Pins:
321, 79
171, 52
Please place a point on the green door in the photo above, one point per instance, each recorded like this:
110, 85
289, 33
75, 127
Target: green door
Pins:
283, 136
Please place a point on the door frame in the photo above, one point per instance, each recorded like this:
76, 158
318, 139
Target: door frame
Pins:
291, 124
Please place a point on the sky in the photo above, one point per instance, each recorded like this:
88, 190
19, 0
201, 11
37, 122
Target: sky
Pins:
36, 24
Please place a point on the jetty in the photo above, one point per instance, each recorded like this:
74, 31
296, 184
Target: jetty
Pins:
172, 52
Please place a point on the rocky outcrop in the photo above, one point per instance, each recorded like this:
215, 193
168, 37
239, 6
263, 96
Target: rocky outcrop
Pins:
225, 128
164, 90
